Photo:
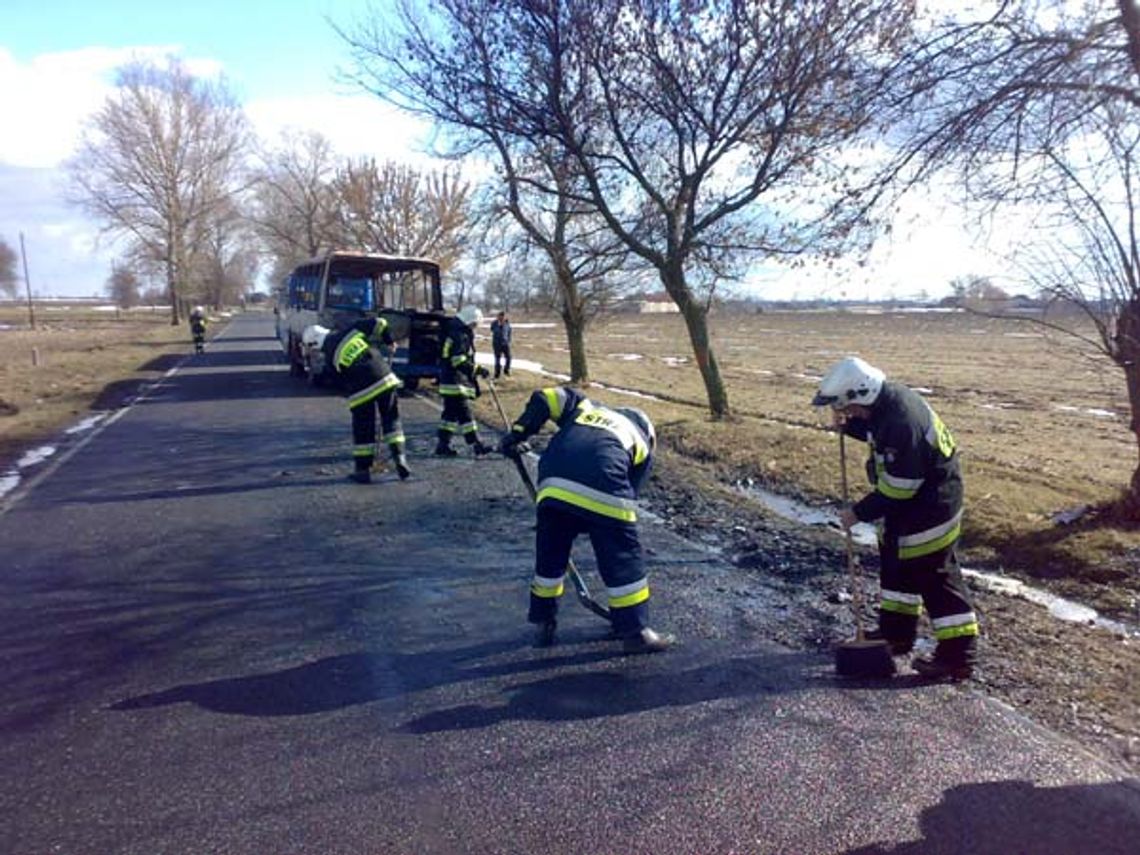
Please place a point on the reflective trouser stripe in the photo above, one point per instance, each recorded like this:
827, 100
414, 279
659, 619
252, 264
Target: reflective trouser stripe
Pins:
901, 602
547, 588
955, 626
364, 450
449, 427
394, 438
628, 595
468, 427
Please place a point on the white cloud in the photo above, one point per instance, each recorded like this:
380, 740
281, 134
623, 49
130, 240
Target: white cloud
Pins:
356, 125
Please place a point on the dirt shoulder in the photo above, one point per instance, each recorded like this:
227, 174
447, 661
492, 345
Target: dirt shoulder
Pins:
1076, 679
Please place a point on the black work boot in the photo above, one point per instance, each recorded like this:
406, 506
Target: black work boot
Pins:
942, 670
481, 448
402, 467
443, 447
899, 646
361, 476
648, 641
953, 660
544, 636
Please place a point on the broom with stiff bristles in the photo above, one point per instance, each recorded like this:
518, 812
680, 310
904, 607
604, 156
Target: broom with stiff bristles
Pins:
860, 657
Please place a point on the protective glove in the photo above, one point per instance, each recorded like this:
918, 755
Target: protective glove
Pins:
512, 445
481, 371
475, 382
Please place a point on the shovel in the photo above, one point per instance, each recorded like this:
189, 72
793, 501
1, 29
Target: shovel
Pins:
576, 579
862, 656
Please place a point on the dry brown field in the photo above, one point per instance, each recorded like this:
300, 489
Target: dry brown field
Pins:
1042, 426
88, 359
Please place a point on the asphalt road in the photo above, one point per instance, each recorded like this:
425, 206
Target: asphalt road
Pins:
211, 642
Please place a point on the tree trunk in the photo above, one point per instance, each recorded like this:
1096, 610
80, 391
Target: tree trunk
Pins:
696, 321
172, 290
1127, 356
575, 319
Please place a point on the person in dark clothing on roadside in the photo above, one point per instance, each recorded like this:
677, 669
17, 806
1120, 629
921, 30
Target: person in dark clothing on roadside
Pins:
198, 328
501, 344
589, 477
459, 383
371, 387
913, 467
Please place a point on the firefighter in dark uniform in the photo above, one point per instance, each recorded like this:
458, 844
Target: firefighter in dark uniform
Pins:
589, 477
459, 383
913, 466
370, 387
198, 328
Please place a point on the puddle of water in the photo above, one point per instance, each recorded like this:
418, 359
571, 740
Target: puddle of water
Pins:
865, 534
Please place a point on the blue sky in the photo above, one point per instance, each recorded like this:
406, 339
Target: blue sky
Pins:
57, 62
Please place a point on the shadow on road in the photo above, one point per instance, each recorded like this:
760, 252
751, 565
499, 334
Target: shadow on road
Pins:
596, 694
358, 678
1005, 817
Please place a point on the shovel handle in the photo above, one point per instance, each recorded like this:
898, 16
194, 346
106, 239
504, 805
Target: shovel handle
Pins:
856, 581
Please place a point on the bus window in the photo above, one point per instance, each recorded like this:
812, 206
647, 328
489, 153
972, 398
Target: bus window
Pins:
350, 293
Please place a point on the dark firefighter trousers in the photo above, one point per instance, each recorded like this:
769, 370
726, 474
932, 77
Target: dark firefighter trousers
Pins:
457, 418
936, 580
364, 408
617, 550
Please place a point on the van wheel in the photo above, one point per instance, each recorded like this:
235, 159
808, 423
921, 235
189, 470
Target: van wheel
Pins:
296, 361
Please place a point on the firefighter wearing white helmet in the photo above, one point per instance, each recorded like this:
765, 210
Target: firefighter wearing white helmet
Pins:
459, 382
917, 494
198, 328
589, 478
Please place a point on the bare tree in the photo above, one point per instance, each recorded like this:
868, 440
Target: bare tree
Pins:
680, 118
123, 286
397, 209
158, 159
453, 65
9, 278
225, 259
294, 205
1038, 107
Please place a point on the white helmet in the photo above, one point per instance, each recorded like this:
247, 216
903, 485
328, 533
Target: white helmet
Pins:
642, 422
849, 381
470, 315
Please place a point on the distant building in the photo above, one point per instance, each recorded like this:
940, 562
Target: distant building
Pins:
647, 304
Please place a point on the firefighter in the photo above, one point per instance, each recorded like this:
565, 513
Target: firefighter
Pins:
370, 387
198, 328
913, 466
589, 477
459, 382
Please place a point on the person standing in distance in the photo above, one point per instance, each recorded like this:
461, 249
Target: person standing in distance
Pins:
914, 469
501, 344
589, 478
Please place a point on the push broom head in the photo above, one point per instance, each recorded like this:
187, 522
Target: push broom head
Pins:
864, 658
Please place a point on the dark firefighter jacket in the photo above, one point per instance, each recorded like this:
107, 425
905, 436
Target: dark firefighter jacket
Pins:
913, 466
597, 461
198, 324
354, 354
457, 360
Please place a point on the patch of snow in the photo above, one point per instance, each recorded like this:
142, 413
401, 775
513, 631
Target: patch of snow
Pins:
8, 482
86, 424
36, 455
627, 357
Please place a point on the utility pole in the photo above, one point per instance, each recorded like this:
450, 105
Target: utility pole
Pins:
27, 283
